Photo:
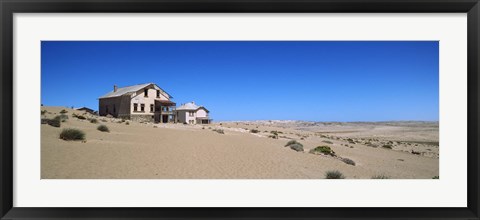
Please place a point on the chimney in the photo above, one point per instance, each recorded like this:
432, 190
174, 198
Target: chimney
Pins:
115, 88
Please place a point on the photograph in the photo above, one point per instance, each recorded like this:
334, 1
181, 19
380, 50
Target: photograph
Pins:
239, 110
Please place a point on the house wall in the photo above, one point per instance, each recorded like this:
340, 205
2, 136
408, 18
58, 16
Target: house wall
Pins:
124, 110
181, 116
201, 113
124, 105
191, 119
108, 105
139, 99
162, 96
120, 104
184, 117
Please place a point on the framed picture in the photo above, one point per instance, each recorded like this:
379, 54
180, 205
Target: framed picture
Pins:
239, 109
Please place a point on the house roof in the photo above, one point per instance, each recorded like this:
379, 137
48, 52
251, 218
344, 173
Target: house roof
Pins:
131, 89
166, 102
190, 106
85, 108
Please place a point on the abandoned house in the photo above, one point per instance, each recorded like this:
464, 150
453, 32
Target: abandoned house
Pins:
144, 102
190, 113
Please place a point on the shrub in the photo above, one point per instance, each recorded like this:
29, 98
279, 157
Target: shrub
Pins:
328, 142
324, 150
81, 117
348, 161
55, 122
63, 117
123, 120
104, 120
74, 115
43, 112
291, 142
72, 134
103, 128
436, 177
44, 121
274, 135
388, 146
63, 111
415, 152
334, 175
381, 176
93, 120
127, 123
254, 131
296, 147
220, 131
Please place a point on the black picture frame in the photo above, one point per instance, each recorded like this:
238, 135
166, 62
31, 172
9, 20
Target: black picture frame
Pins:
9, 7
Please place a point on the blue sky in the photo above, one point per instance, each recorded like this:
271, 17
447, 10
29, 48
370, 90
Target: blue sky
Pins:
255, 80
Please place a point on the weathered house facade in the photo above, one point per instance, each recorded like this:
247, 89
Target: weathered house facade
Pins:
190, 113
144, 102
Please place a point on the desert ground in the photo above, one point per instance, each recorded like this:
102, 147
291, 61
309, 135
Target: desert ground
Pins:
245, 150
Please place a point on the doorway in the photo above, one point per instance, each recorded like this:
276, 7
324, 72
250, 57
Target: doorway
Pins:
164, 118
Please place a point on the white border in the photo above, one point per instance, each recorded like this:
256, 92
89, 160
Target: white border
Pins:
449, 191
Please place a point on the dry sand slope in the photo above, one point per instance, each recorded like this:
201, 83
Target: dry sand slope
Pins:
176, 151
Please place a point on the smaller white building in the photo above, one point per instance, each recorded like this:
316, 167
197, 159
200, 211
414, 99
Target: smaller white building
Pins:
190, 113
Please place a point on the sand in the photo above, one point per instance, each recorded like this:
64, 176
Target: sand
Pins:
177, 151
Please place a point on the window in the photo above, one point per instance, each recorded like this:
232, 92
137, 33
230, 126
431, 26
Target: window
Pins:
145, 92
151, 107
158, 93
135, 107
142, 107
191, 114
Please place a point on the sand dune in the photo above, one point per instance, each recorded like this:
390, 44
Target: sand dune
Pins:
177, 151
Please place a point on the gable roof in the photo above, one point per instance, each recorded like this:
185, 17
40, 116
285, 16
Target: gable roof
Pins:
85, 108
190, 106
131, 89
